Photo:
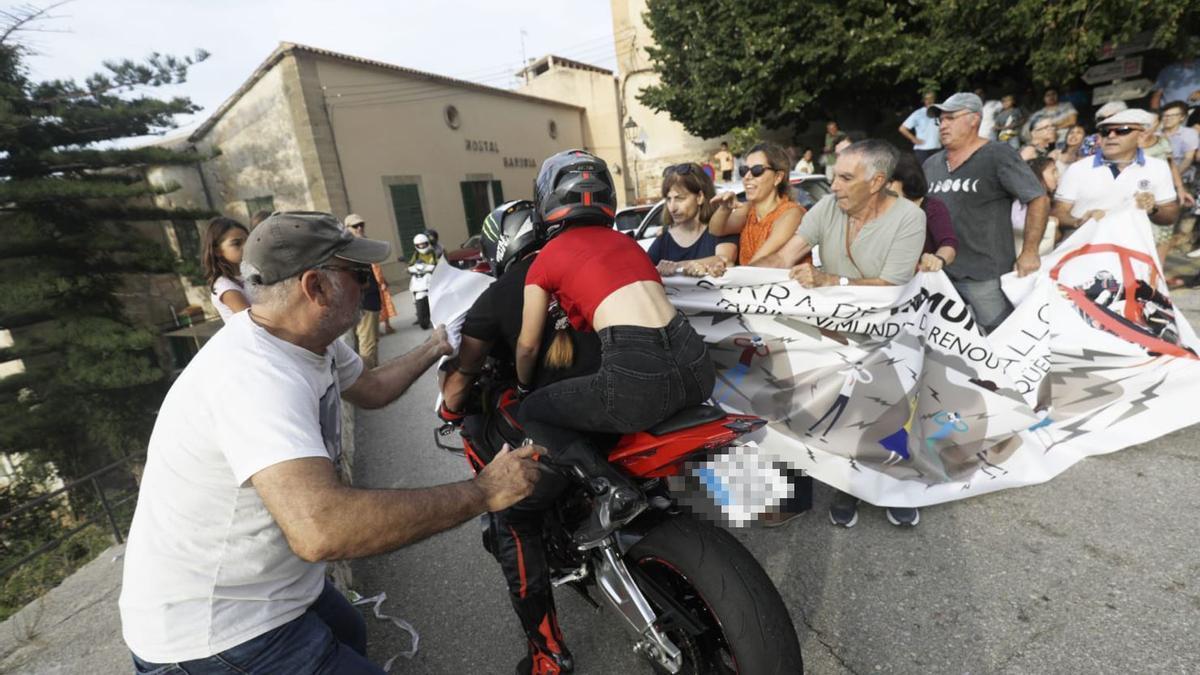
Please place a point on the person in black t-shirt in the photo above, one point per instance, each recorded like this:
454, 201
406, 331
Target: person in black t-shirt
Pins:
685, 244
491, 328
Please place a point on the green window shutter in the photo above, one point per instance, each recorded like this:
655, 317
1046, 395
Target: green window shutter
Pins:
475, 204
410, 221
497, 193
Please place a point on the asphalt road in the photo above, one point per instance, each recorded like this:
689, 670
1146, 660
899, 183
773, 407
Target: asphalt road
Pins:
1097, 571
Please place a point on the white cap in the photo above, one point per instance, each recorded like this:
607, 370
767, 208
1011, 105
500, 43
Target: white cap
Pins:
1109, 109
1135, 116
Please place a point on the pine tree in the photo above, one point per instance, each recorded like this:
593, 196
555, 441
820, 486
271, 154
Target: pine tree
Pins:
68, 198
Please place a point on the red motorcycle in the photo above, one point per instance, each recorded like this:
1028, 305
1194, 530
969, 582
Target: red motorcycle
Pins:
694, 599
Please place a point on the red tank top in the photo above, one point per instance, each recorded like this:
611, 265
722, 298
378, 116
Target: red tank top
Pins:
586, 263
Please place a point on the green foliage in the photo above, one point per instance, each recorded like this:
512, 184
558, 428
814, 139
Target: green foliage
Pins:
67, 247
743, 138
731, 63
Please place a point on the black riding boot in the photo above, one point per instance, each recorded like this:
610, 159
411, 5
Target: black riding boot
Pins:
423, 312
548, 654
617, 500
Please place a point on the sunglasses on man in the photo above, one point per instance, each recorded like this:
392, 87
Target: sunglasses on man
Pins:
361, 274
756, 170
1120, 131
357, 227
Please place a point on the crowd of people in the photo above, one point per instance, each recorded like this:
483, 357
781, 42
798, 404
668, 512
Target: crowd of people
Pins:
241, 505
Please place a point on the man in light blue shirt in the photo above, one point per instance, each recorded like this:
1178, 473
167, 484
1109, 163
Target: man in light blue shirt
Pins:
921, 129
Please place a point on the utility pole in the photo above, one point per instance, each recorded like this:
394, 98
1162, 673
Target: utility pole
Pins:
524, 60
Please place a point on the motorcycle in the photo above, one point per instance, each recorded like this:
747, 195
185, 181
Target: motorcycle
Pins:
693, 598
420, 275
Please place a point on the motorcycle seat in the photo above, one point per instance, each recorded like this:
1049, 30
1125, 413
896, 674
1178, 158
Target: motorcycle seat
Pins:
688, 417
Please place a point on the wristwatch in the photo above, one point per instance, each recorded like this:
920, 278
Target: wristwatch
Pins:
843, 281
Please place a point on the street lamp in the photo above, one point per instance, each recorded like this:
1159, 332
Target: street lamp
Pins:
632, 134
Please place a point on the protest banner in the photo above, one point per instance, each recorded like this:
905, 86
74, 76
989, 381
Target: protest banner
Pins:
893, 394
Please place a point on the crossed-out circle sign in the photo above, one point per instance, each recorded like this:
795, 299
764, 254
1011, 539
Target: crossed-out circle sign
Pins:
1131, 324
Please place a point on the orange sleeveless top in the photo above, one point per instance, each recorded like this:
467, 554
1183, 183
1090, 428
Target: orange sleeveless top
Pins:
756, 231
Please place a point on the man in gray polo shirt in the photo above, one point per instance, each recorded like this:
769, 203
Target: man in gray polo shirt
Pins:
868, 237
978, 180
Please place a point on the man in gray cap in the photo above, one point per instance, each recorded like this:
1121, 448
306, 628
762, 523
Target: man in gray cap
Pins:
240, 503
978, 180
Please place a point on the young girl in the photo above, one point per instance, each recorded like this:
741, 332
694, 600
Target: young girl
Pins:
685, 244
222, 260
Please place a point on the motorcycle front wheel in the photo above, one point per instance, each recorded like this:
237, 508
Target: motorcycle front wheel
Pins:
708, 574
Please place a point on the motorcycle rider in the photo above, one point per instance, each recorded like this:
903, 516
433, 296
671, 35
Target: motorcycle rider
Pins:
510, 243
423, 255
653, 364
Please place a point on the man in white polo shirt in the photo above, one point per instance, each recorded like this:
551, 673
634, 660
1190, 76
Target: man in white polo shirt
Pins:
1119, 176
240, 505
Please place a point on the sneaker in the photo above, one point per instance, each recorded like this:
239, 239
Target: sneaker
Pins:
843, 510
903, 517
611, 510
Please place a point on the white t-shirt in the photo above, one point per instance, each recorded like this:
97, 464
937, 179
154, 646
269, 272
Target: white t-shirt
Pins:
225, 284
987, 119
206, 566
1089, 184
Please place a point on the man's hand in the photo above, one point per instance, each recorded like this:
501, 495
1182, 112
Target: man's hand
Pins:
1144, 200
667, 268
1027, 263
929, 263
1187, 200
439, 341
509, 478
1094, 214
809, 276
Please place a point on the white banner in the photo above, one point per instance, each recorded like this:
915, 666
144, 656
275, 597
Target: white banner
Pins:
894, 394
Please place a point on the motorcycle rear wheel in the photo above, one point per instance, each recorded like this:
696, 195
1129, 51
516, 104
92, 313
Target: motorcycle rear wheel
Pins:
721, 586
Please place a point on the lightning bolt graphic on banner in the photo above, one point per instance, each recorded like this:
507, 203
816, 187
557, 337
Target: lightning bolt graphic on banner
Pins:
1138, 406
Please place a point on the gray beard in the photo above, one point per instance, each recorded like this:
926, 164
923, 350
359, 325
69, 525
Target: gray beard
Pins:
339, 318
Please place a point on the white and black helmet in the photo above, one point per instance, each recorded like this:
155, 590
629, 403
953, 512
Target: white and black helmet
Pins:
509, 234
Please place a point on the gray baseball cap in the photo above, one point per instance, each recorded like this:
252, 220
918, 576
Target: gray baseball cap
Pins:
963, 100
290, 242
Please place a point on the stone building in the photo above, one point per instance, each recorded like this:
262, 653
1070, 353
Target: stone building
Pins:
653, 140
317, 130
595, 90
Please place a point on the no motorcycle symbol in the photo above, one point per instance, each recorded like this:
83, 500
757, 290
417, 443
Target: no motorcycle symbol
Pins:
1133, 309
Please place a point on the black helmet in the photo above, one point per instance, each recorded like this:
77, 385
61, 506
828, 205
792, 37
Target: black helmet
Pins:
573, 187
508, 235
433, 236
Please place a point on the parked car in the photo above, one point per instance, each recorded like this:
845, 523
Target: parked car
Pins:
628, 218
807, 190
466, 256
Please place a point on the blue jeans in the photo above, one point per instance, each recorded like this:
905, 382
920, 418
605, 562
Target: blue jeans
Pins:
989, 304
331, 637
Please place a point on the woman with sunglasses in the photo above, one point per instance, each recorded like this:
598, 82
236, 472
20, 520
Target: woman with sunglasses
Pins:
685, 244
769, 217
